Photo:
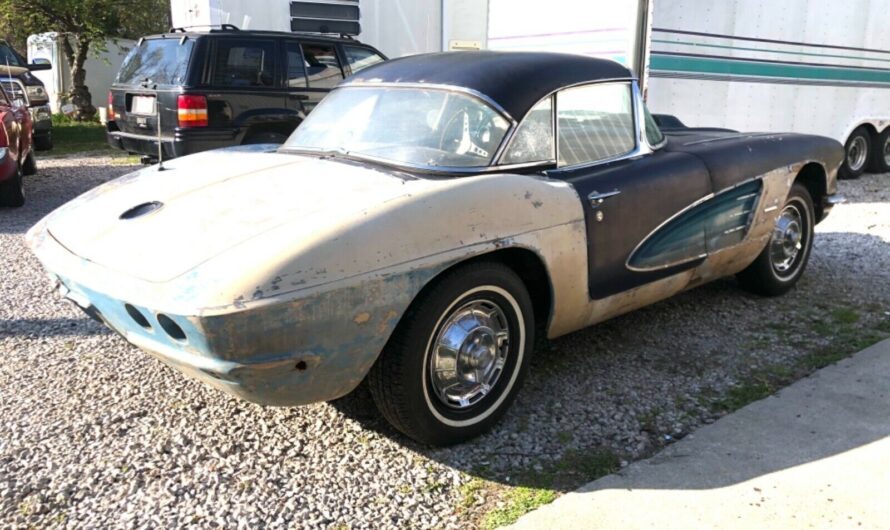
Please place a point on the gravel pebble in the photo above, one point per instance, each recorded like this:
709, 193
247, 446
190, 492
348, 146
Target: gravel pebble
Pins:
97, 434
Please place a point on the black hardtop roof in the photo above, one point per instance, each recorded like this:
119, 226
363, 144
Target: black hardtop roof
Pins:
514, 80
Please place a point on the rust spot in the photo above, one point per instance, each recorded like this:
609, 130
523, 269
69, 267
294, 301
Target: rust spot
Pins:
384, 322
362, 318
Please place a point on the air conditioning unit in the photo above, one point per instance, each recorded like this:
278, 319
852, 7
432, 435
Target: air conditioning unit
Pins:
341, 17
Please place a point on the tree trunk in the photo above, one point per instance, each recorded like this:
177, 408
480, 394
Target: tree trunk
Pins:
79, 95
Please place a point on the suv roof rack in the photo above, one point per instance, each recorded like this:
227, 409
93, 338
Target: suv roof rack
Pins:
222, 27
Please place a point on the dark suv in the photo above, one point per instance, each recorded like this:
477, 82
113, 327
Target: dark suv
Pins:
224, 87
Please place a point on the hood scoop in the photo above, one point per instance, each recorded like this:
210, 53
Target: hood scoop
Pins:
141, 209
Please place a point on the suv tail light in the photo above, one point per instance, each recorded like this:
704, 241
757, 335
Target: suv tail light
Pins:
192, 110
110, 106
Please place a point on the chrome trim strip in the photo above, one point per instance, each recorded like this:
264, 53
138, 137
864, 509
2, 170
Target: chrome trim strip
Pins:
597, 198
769, 209
835, 199
678, 214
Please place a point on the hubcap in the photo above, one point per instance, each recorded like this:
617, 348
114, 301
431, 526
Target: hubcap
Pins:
469, 354
787, 240
857, 153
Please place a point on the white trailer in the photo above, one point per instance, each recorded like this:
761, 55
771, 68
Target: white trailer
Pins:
101, 68
810, 66
813, 66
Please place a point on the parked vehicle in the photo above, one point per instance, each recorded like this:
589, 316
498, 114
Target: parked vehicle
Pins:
817, 66
16, 155
20, 84
224, 87
101, 66
423, 224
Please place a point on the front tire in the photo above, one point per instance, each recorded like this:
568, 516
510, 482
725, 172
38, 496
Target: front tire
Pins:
12, 191
456, 360
857, 152
30, 166
782, 262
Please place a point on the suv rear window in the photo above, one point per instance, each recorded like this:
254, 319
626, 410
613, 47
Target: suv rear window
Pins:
359, 58
160, 61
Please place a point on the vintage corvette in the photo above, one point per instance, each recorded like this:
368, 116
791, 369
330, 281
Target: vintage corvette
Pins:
430, 217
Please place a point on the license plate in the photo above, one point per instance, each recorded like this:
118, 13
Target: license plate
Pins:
143, 105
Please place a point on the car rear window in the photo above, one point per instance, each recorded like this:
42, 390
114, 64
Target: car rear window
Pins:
157, 61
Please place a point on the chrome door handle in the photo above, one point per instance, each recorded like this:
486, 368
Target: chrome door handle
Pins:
596, 198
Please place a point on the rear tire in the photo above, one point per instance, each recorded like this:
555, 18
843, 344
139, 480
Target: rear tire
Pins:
880, 158
782, 262
457, 359
857, 152
12, 191
30, 166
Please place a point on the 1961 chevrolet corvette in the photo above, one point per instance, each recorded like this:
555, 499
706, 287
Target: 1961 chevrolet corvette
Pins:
431, 216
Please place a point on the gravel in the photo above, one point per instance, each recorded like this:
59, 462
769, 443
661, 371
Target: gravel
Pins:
95, 433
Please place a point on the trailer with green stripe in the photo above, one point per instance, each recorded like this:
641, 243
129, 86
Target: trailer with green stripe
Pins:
809, 66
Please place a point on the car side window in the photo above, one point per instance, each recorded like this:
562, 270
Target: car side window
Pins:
296, 68
243, 63
359, 58
594, 122
533, 140
322, 65
653, 134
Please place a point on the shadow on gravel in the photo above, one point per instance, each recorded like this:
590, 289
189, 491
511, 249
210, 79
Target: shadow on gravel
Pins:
54, 327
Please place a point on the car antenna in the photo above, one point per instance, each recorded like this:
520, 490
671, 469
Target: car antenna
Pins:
160, 145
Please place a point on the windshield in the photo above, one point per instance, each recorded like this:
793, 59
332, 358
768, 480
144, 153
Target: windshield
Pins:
407, 126
9, 56
158, 61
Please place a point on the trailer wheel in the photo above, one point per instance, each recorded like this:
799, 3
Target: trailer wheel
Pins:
880, 159
856, 154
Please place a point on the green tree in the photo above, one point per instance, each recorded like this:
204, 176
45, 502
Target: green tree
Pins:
83, 26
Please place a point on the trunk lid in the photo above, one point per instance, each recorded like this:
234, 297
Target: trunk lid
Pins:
207, 203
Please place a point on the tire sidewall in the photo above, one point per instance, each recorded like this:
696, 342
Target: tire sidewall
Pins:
879, 164
509, 293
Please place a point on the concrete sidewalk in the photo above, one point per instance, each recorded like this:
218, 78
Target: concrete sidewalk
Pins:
816, 455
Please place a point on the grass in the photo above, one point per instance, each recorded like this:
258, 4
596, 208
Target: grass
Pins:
517, 503
72, 138
576, 467
845, 336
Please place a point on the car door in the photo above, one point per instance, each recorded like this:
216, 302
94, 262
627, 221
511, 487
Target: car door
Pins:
629, 192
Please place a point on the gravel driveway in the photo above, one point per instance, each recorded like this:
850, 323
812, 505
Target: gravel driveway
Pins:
94, 433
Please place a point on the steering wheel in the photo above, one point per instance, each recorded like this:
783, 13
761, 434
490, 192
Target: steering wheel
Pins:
463, 142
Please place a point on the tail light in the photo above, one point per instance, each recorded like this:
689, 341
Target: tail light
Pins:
192, 110
110, 106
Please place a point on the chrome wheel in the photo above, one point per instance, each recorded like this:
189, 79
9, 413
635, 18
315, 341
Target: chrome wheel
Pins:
469, 353
788, 240
857, 153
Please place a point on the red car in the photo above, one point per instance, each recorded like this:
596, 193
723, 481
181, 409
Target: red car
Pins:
16, 156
